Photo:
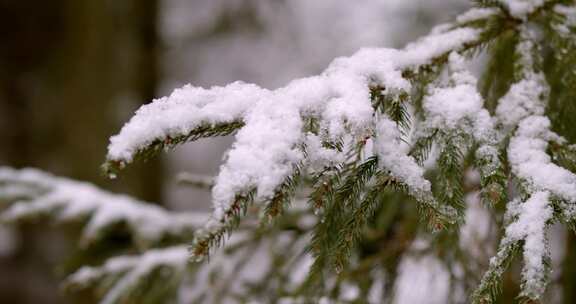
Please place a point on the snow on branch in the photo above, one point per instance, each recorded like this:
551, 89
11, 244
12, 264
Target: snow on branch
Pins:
533, 218
339, 94
34, 193
528, 95
522, 8
393, 156
314, 122
187, 114
523, 107
128, 272
458, 107
339, 98
530, 162
544, 185
367, 123
527, 229
353, 125
456, 120
252, 259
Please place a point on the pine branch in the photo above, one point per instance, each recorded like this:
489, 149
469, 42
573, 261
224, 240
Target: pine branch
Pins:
393, 105
323, 237
326, 123
355, 182
421, 148
490, 286
450, 177
124, 278
418, 57
132, 142
356, 220
563, 155
113, 166
43, 195
347, 194
528, 222
283, 196
214, 231
195, 180
493, 177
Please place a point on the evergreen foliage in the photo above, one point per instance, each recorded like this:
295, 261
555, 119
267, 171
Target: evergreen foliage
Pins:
321, 194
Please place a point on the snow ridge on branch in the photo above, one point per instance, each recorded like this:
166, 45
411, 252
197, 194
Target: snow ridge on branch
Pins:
272, 125
33, 193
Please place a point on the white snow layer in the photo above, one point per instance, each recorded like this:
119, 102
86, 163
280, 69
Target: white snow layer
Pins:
530, 226
521, 8
523, 107
185, 109
529, 94
475, 14
393, 155
523, 99
459, 106
530, 162
268, 147
132, 270
72, 200
568, 12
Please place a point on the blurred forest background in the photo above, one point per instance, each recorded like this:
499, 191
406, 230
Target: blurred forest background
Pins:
72, 71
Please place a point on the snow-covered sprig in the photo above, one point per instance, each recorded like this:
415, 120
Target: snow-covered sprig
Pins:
32, 193
252, 264
548, 190
127, 277
455, 121
273, 139
368, 122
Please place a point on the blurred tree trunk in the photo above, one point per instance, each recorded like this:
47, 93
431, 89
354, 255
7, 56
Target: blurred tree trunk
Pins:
72, 72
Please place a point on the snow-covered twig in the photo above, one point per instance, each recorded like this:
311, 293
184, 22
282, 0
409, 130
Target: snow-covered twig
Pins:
34, 193
129, 271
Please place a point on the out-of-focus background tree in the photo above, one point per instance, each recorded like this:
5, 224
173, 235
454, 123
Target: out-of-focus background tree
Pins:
71, 71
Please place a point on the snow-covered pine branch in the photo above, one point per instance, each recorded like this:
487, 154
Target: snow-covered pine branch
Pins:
32, 193
370, 121
160, 272
253, 265
457, 120
279, 131
129, 274
542, 183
